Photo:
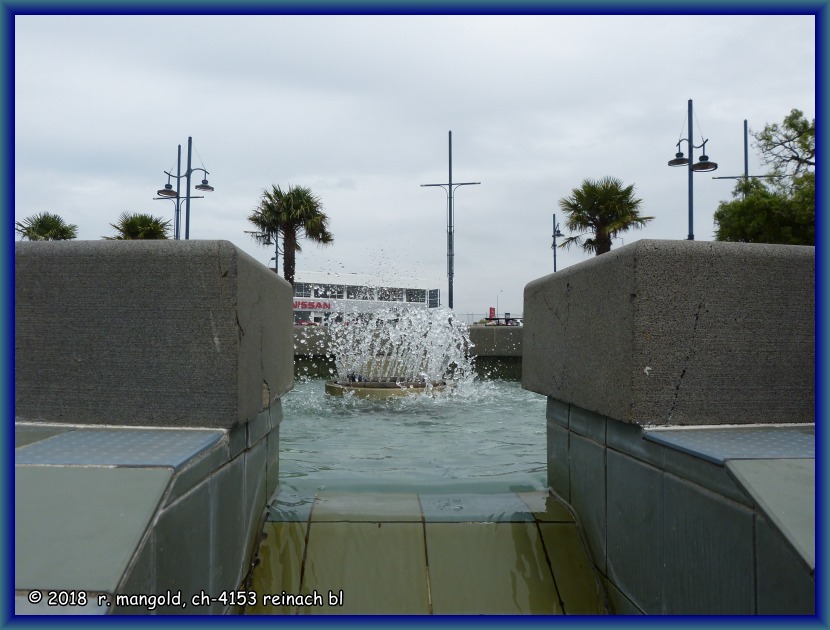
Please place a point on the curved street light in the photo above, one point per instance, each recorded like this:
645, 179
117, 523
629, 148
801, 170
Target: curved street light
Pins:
556, 234
703, 165
450, 189
168, 192
265, 239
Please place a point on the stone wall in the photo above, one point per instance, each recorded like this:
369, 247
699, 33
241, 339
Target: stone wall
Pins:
641, 348
148, 384
151, 333
678, 332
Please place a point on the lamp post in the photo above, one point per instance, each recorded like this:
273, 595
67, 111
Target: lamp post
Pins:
746, 174
556, 234
497, 305
702, 165
168, 193
265, 239
450, 188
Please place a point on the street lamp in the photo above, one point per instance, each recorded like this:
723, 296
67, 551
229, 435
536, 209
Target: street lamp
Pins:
556, 234
703, 165
746, 174
169, 193
265, 239
497, 305
450, 188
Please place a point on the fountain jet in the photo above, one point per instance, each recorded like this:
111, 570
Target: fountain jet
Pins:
397, 351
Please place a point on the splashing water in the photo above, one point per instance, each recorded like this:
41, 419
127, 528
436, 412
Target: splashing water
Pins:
401, 345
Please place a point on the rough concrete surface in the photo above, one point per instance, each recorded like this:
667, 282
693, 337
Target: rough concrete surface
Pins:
153, 333
678, 332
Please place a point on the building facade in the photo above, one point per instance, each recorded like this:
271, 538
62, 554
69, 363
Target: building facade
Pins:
319, 297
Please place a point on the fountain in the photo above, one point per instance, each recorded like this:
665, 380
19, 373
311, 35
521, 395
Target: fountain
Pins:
396, 350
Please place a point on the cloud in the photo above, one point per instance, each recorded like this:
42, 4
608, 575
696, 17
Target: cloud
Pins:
358, 108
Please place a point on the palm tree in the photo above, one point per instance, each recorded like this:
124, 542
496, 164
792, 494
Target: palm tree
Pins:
603, 208
287, 213
45, 227
135, 225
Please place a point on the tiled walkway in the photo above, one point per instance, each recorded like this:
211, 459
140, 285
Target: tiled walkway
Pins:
515, 553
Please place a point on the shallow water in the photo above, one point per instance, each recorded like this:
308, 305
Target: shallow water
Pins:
482, 436
421, 505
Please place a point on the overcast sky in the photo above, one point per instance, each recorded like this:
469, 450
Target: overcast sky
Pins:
358, 108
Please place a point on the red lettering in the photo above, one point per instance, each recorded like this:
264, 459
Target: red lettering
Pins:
303, 304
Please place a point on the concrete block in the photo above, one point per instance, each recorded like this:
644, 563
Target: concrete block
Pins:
496, 341
311, 340
152, 333
678, 333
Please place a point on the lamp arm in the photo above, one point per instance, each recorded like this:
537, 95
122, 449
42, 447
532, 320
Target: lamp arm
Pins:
192, 170
444, 186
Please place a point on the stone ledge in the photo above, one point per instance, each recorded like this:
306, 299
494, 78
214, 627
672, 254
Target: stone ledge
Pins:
678, 333
151, 333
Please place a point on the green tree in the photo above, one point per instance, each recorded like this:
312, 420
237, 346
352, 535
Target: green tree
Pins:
782, 208
136, 225
45, 227
790, 148
769, 213
603, 208
292, 214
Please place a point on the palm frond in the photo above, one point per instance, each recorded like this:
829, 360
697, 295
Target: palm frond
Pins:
603, 208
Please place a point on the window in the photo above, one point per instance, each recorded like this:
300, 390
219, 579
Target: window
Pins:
302, 317
390, 294
359, 293
333, 291
302, 289
416, 295
434, 298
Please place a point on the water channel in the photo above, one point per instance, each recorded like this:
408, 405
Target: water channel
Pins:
420, 505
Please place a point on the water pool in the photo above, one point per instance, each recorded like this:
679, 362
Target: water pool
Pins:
483, 436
